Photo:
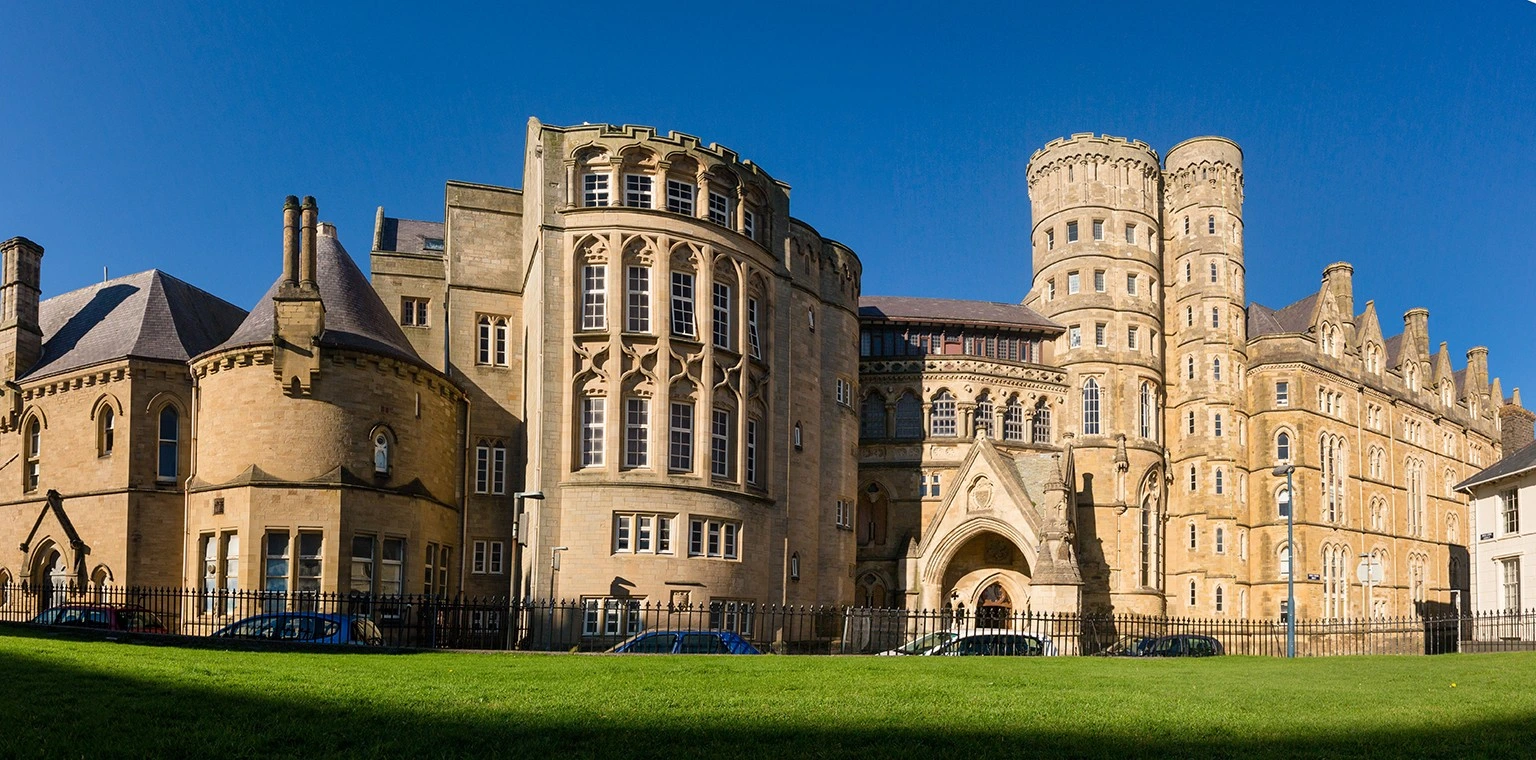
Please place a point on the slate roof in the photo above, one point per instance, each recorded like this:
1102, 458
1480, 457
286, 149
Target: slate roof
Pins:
1296, 318
149, 315
953, 311
1513, 464
355, 318
409, 236
1393, 346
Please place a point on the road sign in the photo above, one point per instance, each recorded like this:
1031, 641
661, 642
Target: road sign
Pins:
1369, 571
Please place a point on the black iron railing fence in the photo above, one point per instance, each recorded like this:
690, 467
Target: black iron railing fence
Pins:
466, 622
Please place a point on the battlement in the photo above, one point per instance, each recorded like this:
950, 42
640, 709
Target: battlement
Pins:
1088, 137
639, 133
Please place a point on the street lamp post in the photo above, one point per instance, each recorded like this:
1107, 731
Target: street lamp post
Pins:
514, 586
1290, 551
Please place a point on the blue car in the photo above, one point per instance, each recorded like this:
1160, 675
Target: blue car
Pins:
305, 628
686, 642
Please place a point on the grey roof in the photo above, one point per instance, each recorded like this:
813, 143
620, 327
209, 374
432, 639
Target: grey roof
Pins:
355, 318
1393, 346
409, 235
946, 310
1512, 464
149, 315
1296, 318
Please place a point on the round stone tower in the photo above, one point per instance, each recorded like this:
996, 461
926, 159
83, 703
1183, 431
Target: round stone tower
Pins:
1098, 271
1206, 361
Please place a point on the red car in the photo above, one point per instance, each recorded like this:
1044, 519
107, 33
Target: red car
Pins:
104, 617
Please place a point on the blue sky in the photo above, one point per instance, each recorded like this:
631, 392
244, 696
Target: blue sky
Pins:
1400, 136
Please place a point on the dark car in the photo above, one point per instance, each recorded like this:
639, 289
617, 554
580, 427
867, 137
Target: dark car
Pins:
1128, 646
1002, 644
686, 642
102, 617
1184, 645
305, 628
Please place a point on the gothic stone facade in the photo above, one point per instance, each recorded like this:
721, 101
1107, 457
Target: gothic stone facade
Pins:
641, 364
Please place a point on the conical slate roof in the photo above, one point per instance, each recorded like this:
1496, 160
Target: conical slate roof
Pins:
355, 318
149, 315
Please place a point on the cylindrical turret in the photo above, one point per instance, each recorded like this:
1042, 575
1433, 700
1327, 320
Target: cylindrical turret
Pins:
1206, 354
1098, 272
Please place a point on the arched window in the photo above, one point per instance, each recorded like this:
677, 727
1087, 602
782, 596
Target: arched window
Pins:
909, 417
984, 415
1194, 593
5, 588
1283, 502
1216, 425
34, 452
1220, 482
942, 421
872, 417
1285, 561
1242, 603
1194, 536
1013, 421
170, 438
492, 332
1283, 447
1091, 407
1041, 425
1331, 454
1221, 540
1452, 528
1149, 523
1145, 422
1411, 376
870, 592
381, 453
106, 432
872, 515
1216, 370
1221, 600
794, 566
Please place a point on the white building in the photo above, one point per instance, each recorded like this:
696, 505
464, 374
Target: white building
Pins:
1503, 544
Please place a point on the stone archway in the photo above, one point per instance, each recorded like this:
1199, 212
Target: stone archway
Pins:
989, 575
50, 577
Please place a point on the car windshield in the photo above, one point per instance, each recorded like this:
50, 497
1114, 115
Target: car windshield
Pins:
925, 643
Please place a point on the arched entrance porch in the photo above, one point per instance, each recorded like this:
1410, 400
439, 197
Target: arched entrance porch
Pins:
50, 576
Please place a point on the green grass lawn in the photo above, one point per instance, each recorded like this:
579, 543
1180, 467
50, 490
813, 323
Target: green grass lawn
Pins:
61, 698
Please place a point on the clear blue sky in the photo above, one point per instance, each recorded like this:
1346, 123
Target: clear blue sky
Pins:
1400, 136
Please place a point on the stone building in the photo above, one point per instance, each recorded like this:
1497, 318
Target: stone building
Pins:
1179, 399
639, 379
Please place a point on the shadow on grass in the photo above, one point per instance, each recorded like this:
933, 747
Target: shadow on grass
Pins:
52, 707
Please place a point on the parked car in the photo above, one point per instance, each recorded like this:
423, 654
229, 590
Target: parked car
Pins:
686, 642
1184, 645
306, 628
980, 641
1128, 646
104, 617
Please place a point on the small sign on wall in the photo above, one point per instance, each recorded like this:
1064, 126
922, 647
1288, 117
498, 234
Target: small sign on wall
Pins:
1314, 577
1485, 536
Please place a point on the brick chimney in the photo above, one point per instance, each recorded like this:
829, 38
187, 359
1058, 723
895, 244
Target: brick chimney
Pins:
21, 339
298, 314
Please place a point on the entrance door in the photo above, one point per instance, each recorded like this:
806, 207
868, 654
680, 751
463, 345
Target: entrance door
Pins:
994, 608
52, 580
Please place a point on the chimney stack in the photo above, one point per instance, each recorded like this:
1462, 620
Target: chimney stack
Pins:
1339, 280
310, 213
21, 338
291, 241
